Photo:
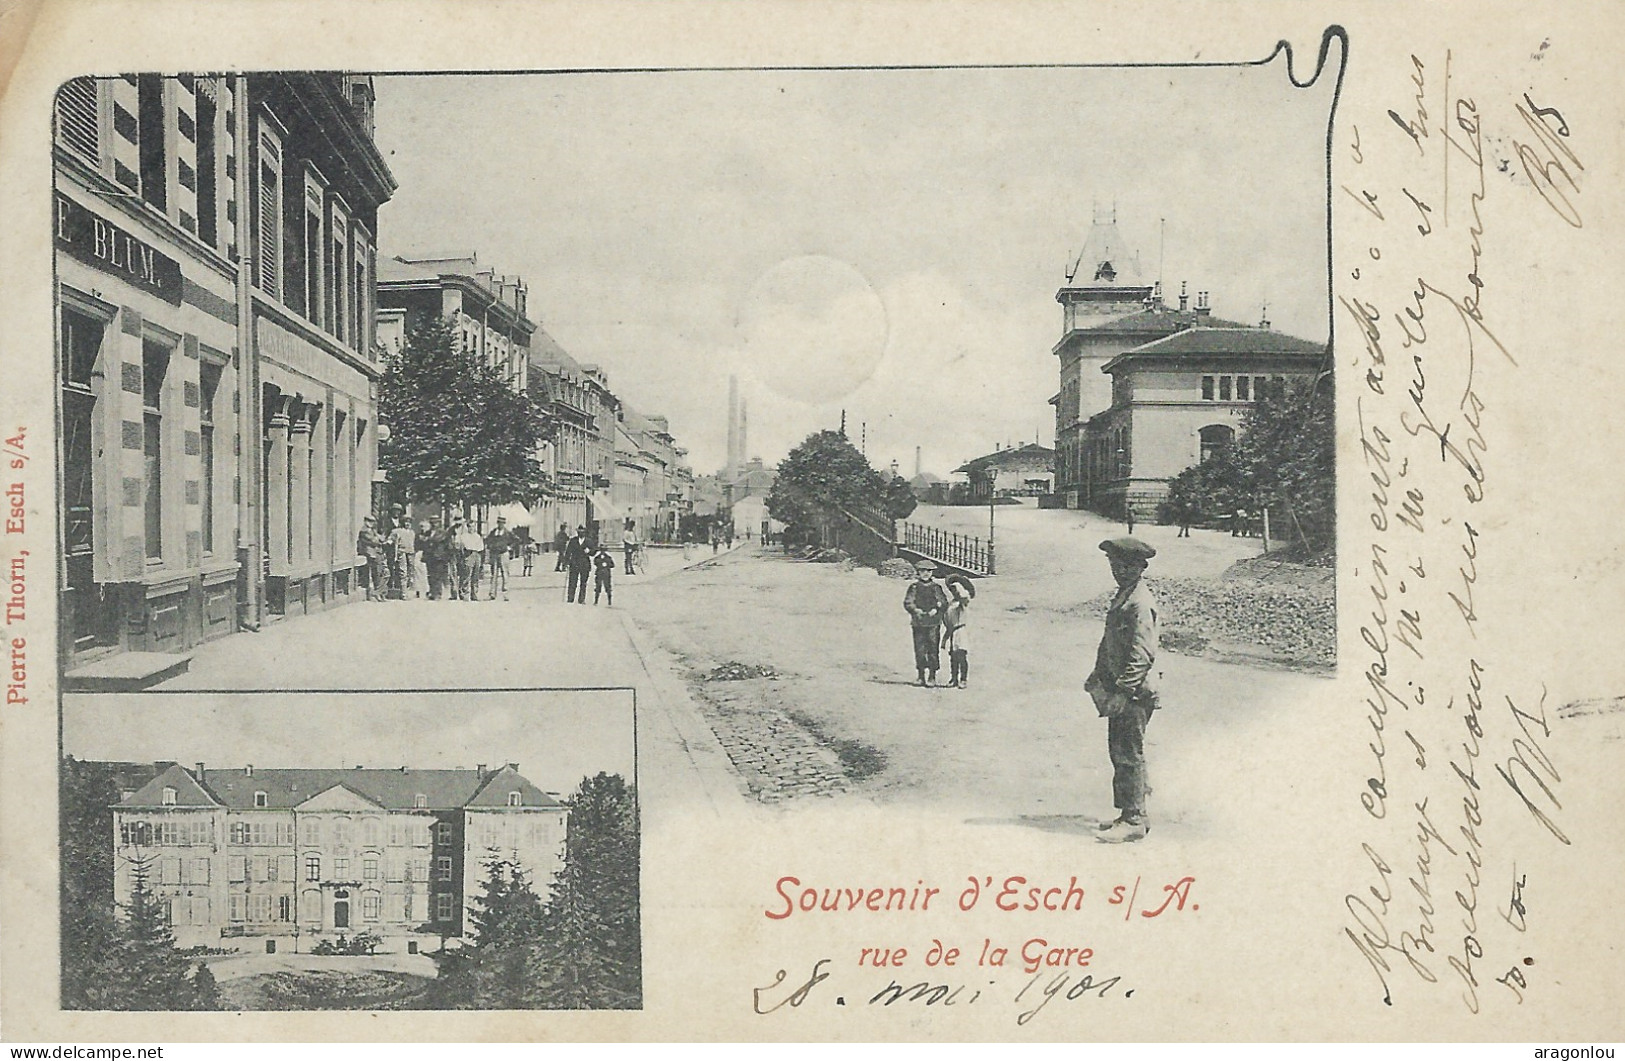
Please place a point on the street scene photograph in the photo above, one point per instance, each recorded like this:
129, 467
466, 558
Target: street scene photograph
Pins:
948, 438
461, 850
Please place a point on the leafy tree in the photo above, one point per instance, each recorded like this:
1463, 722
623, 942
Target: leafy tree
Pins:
1285, 460
1288, 459
459, 433
899, 499
826, 474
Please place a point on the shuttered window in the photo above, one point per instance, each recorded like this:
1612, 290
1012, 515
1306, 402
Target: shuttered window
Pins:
78, 119
269, 220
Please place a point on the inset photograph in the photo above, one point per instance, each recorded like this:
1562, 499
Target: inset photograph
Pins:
381, 850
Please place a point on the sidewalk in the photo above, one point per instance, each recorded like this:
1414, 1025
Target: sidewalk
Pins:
533, 639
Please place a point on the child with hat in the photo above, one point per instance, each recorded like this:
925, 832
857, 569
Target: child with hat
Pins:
954, 638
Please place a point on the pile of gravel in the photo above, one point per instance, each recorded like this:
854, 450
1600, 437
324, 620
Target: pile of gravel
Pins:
1291, 623
896, 567
734, 671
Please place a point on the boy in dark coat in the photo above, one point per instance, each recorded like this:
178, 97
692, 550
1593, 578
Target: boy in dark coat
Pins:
604, 570
925, 603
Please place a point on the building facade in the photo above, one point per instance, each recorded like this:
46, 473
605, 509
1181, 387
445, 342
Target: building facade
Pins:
271, 860
1180, 400
486, 309
213, 391
1017, 471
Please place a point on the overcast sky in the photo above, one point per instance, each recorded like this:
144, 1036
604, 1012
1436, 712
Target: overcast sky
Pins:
885, 241
556, 737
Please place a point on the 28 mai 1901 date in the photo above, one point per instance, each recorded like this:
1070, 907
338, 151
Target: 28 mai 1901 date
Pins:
1037, 992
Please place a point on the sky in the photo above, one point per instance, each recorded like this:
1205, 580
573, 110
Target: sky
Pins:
888, 242
557, 737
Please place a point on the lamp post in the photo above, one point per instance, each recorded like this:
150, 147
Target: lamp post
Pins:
992, 477
1122, 472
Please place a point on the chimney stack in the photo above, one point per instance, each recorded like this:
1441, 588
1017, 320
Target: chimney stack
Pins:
200, 773
1202, 308
917, 469
1184, 299
248, 770
1264, 317
479, 771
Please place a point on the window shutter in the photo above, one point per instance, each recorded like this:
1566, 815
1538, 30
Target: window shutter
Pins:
79, 119
270, 216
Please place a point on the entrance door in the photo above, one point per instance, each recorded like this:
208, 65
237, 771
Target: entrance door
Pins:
341, 913
90, 618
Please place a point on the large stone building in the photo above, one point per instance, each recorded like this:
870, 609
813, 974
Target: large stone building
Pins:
270, 859
1147, 390
486, 309
215, 264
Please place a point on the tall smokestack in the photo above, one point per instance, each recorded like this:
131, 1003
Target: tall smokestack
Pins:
744, 437
733, 426
917, 462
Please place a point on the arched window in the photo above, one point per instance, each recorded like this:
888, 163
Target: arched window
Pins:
1216, 440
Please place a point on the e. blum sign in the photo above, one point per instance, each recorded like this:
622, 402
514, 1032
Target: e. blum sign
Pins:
101, 244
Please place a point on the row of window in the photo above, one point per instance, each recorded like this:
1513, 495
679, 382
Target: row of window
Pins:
279, 909
1242, 388
412, 869
311, 254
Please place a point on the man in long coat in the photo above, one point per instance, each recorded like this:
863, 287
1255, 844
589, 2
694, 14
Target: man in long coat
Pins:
1123, 684
578, 562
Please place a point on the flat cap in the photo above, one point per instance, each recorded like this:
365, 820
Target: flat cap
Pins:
1131, 548
924, 565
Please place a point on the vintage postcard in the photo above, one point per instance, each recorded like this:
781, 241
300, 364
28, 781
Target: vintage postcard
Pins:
924, 521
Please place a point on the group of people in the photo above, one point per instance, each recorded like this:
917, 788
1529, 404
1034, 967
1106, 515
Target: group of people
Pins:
457, 559
577, 556
1122, 685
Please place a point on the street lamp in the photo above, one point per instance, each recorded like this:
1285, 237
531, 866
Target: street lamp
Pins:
992, 477
1122, 473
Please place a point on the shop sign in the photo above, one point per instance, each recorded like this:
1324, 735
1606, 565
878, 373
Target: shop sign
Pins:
101, 244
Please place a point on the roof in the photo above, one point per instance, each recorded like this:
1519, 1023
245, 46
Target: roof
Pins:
188, 793
285, 789
1156, 319
1105, 260
1224, 342
1032, 451
499, 783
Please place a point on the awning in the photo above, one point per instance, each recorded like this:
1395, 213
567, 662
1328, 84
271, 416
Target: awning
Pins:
515, 513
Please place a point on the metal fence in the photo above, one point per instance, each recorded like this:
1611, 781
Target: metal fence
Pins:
960, 550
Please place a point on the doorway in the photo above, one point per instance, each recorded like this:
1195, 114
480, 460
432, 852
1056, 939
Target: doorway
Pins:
341, 909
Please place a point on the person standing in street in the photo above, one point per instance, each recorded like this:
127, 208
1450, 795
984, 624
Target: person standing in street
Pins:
603, 574
629, 546
925, 603
1123, 685
561, 539
497, 544
527, 549
370, 545
955, 638
437, 557
577, 562
403, 544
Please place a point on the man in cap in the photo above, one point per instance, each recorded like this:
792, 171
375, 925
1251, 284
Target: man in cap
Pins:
1123, 684
925, 603
498, 541
437, 557
370, 545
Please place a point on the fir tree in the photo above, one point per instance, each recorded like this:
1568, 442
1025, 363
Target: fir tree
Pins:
490, 971
590, 955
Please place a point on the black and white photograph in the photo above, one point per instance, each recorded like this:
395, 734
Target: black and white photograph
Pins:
875, 521
219, 852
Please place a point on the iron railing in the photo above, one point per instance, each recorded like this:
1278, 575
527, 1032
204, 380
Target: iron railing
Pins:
960, 550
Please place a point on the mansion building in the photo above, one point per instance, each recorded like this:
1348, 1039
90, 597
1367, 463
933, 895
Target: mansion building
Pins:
215, 252
1148, 390
276, 859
